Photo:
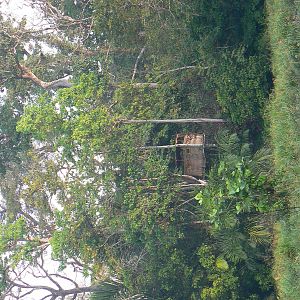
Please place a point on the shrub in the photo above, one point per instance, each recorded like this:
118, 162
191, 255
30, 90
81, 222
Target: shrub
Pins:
241, 85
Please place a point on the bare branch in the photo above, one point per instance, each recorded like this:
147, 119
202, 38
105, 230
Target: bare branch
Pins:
179, 121
47, 296
136, 63
26, 294
65, 277
58, 18
19, 288
162, 73
47, 274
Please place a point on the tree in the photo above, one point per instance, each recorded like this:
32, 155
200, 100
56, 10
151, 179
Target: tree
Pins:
22, 46
51, 286
11, 142
32, 225
13, 47
90, 188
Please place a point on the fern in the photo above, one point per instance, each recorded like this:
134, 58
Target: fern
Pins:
261, 162
228, 143
114, 291
230, 244
259, 234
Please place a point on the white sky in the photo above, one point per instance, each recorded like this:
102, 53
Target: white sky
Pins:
19, 9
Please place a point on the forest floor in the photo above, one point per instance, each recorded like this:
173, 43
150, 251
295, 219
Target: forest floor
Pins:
284, 119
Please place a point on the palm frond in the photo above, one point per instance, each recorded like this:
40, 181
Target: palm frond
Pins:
261, 162
230, 243
106, 291
228, 143
114, 291
259, 234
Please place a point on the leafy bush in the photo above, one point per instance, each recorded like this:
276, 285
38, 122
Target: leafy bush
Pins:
241, 85
239, 190
232, 47
228, 24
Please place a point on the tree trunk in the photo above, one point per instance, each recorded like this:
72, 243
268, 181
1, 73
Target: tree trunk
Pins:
178, 121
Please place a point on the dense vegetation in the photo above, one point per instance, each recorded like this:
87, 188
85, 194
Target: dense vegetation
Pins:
77, 176
284, 32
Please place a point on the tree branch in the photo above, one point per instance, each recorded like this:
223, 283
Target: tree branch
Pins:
26, 73
179, 121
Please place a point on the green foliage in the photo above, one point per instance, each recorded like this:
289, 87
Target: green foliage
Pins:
119, 19
8, 42
12, 143
234, 196
123, 210
234, 188
112, 291
76, 120
228, 24
2, 276
147, 212
283, 31
233, 56
79, 232
39, 119
241, 85
138, 209
11, 233
135, 24
13, 242
73, 9
161, 27
227, 204
239, 182
165, 274
287, 249
220, 283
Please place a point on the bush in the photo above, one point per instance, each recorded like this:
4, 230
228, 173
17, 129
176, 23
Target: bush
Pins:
241, 85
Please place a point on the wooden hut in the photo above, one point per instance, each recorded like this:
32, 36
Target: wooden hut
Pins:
190, 153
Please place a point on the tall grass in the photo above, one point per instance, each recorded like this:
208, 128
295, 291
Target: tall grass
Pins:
284, 117
284, 27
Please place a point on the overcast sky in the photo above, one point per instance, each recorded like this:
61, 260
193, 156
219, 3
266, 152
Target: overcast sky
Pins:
18, 9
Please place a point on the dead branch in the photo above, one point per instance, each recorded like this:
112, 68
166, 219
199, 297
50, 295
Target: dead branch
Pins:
191, 178
179, 121
136, 63
162, 73
151, 85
